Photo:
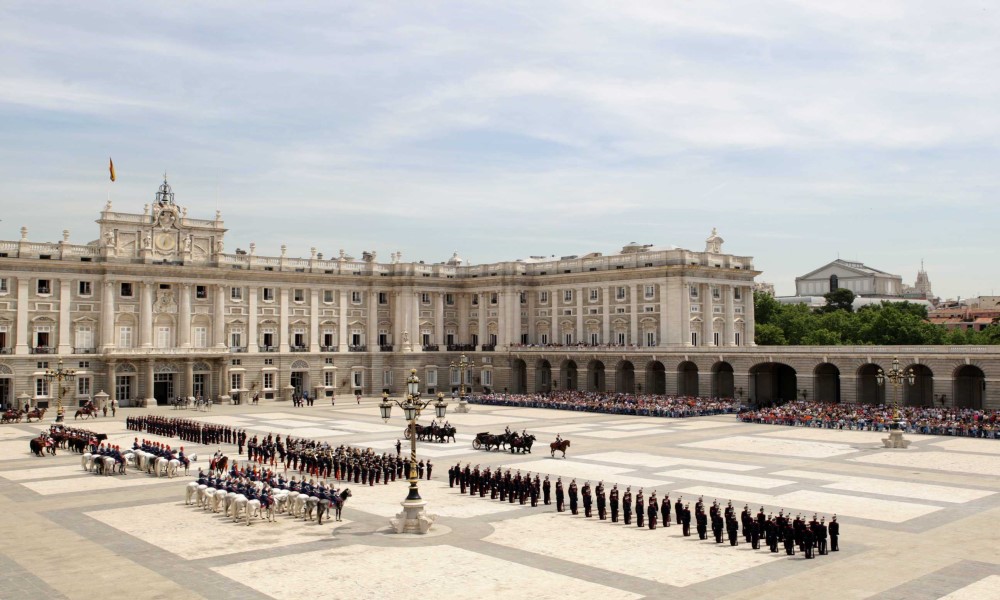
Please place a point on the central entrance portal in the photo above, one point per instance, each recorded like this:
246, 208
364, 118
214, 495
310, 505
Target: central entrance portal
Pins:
163, 388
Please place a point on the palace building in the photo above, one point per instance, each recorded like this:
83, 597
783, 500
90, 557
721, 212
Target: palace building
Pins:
155, 308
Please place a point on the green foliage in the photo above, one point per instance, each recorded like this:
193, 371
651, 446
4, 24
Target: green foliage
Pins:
839, 299
896, 323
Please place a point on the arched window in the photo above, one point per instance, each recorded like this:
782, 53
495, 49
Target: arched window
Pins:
834, 283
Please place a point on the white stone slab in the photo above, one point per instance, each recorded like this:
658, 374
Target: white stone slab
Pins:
565, 428
845, 436
804, 501
612, 434
13, 433
92, 483
663, 555
788, 448
637, 426
765, 483
689, 425
968, 464
46, 472
984, 589
314, 433
288, 423
442, 572
542, 414
583, 472
888, 487
273, 415
383, 500
462, 421
654, 461
423, 449
231, 421
360, 427
969, 445
205, 535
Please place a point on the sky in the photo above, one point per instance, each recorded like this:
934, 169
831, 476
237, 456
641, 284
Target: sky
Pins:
802, 130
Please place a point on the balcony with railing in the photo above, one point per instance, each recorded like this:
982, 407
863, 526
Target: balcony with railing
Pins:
385, 347
84, 350
489, 347
357, 348
431, 347
268, 348
461, 348
237, 349
328, 348
43, 350
299, 348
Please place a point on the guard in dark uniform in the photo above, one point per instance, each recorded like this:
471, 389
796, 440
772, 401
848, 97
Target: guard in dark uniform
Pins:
820, 536
573, 497
771, 533
536, 486
588, 500
834, 534
789, 539
546, 491
754, 535
614, 503
678, 508
602, 503
807, 542
701, 523
429, 468
451, 477
560, 495
665, 510
627, 505
652, 510
640, 509
745, 520
717, 525
733, 528
685, 514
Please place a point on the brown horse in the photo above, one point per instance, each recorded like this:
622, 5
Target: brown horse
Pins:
13, 416
561, 446
38, 413
219, 466
86, 412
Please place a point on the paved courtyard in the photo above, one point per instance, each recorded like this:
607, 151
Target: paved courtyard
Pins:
916, 524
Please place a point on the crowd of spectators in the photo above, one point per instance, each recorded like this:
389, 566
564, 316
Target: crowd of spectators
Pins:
651, 405
966, 422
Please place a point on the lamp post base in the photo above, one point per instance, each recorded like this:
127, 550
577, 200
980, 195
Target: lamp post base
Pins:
463, 406
895, 439
413, 519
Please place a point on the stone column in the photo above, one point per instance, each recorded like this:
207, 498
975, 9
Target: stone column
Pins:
633, 299
109, 374
484, 311
439, 318
532, 304
707, 315
188, 378
219, 318
464, 308
607, 307
748, 328
416, 336
398, 323
224, 376
184, 317
515, 317
728, 337
342, 321
252, 338
107, 317
554, 315
21, 334
371, 337
145, 314
671, 309
685, 312
503, 309
314, 320
664, 332
283, 321
64, 300
150, 399
581, 333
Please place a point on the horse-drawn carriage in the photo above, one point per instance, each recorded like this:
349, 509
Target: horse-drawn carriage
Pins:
433, 433
12, 416
516, 442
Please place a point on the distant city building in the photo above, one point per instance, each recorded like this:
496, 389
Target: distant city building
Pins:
764, 287
965, 317
863, 280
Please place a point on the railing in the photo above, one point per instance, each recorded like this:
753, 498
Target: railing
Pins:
43, 350
461, 348
361, 348
773, 350
6, 350
237, 349
431, 348
385, 347
489, 347
299, 349
84, 350
328, 348
268, 348
170, 351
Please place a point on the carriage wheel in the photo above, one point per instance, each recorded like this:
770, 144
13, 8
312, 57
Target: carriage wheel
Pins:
406, 433
477, 444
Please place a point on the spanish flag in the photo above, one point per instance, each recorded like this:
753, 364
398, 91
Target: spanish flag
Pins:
111, 168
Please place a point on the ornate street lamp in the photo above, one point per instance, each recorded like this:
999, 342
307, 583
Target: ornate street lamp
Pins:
57, 376
897, 377
464, 365
412, 519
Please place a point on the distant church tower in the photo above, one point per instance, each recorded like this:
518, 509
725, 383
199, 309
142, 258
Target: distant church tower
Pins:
923, 283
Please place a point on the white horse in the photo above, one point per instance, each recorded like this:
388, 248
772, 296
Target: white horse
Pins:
108, 463
310, 507
192, 490
87, 461
172, 465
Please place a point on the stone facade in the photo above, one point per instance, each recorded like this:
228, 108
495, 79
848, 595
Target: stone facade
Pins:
155, 308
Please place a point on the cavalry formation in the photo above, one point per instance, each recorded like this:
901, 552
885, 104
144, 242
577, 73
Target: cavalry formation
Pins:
432, 433
67, 438
15, 415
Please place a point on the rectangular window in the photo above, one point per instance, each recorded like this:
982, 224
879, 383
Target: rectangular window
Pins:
355, 297
125, 336
84, 337
595, 339
693, 291
493, 339
236, 362
737, 338
328, 296
358, 378
3, 286
299, 338
42, 336
568, 339
269, 380
650, 339
200, 337
329, 378
267, 294
475, 339
567, 295
620, 338
201, 292
268, 338
162, 337
425, 338
715, 338
716, 294
593, 294
41, 387
383, 337
84, 288
543, 297
694, 338
236, 293
493, 298
387, 378
44, 286
356, 338
383, 298
236, 338
432, 377
298, 295
475, 299
328, 339
449, 338
425, 298
235, 381
737, 293
123, 387
487, 376
650, 292
126, 289
268, 362
620, 293
524, 338
449, 299
523, 297
83, 386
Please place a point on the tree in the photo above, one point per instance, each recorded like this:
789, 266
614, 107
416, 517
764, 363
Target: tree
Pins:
821, 337
769, 334
839, 299
765, 307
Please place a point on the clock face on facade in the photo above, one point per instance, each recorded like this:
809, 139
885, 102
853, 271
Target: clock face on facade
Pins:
166, 242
